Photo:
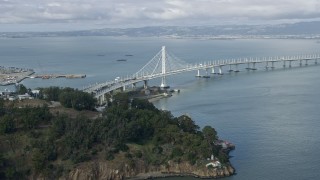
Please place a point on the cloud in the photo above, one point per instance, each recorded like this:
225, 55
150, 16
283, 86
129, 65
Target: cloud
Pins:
160, 12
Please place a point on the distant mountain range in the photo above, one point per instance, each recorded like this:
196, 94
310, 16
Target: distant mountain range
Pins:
297, 30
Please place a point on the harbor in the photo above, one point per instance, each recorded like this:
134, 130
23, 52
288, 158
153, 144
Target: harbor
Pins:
13, 75
51, 76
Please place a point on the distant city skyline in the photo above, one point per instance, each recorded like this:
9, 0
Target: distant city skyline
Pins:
65, 15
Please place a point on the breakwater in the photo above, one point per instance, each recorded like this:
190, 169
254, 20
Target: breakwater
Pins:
50, 76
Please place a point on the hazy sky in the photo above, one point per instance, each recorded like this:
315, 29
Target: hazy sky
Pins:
25, 15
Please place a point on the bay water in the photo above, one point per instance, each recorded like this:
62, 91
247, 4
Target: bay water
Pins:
272, 116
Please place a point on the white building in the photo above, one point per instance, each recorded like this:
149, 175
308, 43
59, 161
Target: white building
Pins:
214, 164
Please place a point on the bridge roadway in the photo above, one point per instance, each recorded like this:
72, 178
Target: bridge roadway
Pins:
102, 88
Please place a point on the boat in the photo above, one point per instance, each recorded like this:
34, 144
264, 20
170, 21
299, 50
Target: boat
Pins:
121, 60
129, 55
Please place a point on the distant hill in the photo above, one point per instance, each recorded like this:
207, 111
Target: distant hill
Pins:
298, 30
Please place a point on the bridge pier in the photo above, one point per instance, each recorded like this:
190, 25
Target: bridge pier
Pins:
123, 88
101, 99
248, 66
267, 64
163, 82
212, 70
145, 84
207, 74
290, 64
198, 73
306, 62
316, 61
300, 62
253, 66
237, 70
133, 85
284, 63
272, 64
220, 70
230, 70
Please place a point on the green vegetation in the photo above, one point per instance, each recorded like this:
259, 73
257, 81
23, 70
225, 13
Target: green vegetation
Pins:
21, 89
69, 97
36, 142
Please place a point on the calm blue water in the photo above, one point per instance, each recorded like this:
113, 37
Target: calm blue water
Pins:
272, 116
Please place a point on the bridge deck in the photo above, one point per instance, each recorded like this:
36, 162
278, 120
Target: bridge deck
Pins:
153, 69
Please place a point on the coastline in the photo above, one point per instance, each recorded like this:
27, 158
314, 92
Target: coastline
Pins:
157, 175
107, 170
13, 78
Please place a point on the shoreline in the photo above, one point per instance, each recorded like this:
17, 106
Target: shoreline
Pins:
17, 78
221, 172
158, 175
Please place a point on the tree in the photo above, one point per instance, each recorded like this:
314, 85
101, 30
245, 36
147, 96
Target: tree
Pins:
2, 107
21, 89
142, 104
59, 126
30, 117
39, 161
7, 124
50, 94
209, 133
121, 100
187, 124
76, 99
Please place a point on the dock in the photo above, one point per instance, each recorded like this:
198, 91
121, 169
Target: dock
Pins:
52, 76
13, 75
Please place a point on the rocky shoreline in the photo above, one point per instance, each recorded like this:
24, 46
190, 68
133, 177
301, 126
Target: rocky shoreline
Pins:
104, 170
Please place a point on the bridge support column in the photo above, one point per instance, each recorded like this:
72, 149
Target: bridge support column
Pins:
316, 61
212, 70
237, 69
284, 64
207, 74
300, 62
145, 84
306, 62
198, 73
101, 99
267, 65
253, 66
123, 88
220, 70
230, 68
248, 66
272, 64
290, 64
163, 82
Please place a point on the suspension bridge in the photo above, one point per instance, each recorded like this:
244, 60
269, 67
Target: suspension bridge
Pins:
164, 64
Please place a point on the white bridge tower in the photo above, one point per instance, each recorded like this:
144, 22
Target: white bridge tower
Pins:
163, 66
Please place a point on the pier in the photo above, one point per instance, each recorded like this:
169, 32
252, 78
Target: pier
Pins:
51, 76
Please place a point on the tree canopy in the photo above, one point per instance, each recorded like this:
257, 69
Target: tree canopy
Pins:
69, 97
132, 127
